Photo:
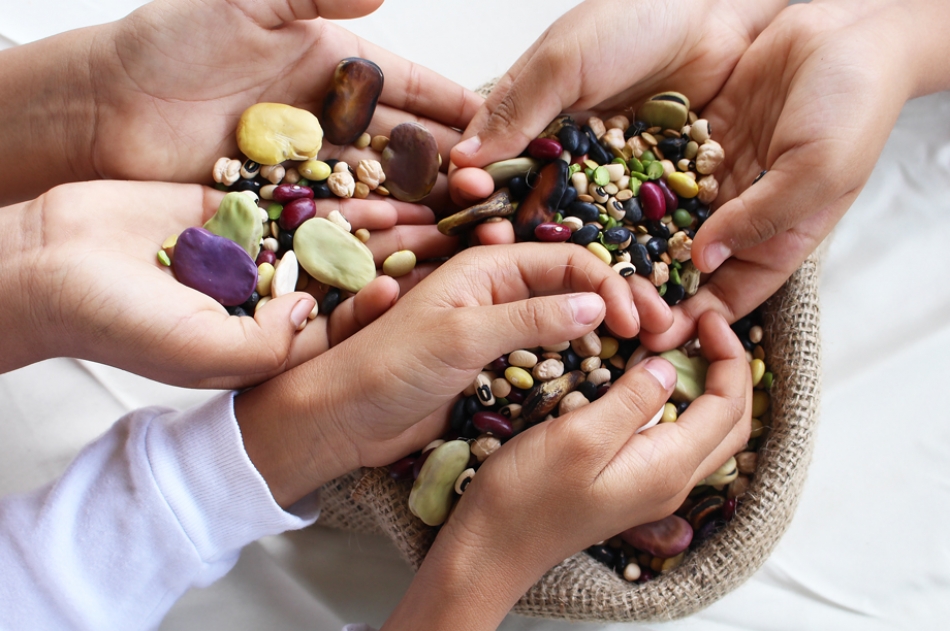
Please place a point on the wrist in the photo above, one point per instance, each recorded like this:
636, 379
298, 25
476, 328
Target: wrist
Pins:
903, 32
25, 319
47, 114
466, 583
291, 431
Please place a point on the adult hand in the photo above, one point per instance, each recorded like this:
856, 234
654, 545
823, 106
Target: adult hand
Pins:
169, 82
565, 484
386, 392
604, 56
812, 101
85, 256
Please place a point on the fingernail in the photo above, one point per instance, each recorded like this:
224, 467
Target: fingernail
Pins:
586, 308
715, 254
470, 146
662, 370
301, 312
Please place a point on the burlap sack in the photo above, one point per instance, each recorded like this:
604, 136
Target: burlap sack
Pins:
581, 588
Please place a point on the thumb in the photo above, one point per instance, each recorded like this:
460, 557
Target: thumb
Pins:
540, 321
245, 351
277, 13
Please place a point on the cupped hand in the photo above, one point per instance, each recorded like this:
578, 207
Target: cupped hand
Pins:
172, 79
98, 291
605, 56
386, 392
567, 483
812, 103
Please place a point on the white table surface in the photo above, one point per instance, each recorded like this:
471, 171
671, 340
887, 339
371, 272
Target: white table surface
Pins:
867, 549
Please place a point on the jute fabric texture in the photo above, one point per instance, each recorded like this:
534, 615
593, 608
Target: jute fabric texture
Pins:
581, 588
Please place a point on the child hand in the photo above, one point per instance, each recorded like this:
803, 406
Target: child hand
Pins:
386, 392
86, 258
157, 95
812, 101
604, 56
568, 483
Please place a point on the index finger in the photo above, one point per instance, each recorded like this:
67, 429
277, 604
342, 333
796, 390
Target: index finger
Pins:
535, 269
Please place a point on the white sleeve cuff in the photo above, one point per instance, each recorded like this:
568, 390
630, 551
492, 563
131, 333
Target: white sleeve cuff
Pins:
202, 470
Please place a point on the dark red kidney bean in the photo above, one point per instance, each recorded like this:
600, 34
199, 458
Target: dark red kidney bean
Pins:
672, 201
516, 396
494, 423
289, 192
652, 201
297, 212
500, 364
552, 232
265, 256
545, 149
402, 469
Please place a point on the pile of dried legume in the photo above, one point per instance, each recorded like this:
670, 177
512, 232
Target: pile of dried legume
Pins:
528, 386
632, 193
265, 239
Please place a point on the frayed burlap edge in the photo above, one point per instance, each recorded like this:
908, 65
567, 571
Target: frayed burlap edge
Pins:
581, 588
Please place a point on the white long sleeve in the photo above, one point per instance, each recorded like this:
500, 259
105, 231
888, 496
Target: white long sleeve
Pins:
162, 502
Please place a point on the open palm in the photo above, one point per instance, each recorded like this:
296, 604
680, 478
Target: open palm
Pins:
812, 102
172, 79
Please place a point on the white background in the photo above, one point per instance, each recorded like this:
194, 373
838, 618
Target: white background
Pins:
867, 549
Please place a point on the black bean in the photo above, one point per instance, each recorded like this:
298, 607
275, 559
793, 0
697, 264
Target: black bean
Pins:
741, 326
585, 235
640, 258
570, 359
691, 204
585, 211
656, 247
321, 190
596, 151
632, 210
620, 562
583, 145
658, 229
458, 416
236, 311
702, 214
681, 407
286, 240
472, 406
469, 430
518, 188
332, 162
628, 346
570, 138
245, 184
616, 235
603, 554
674, 294
615, 373
569, 197
251, 303
330, 301
672, 148
689, 232
588, 389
